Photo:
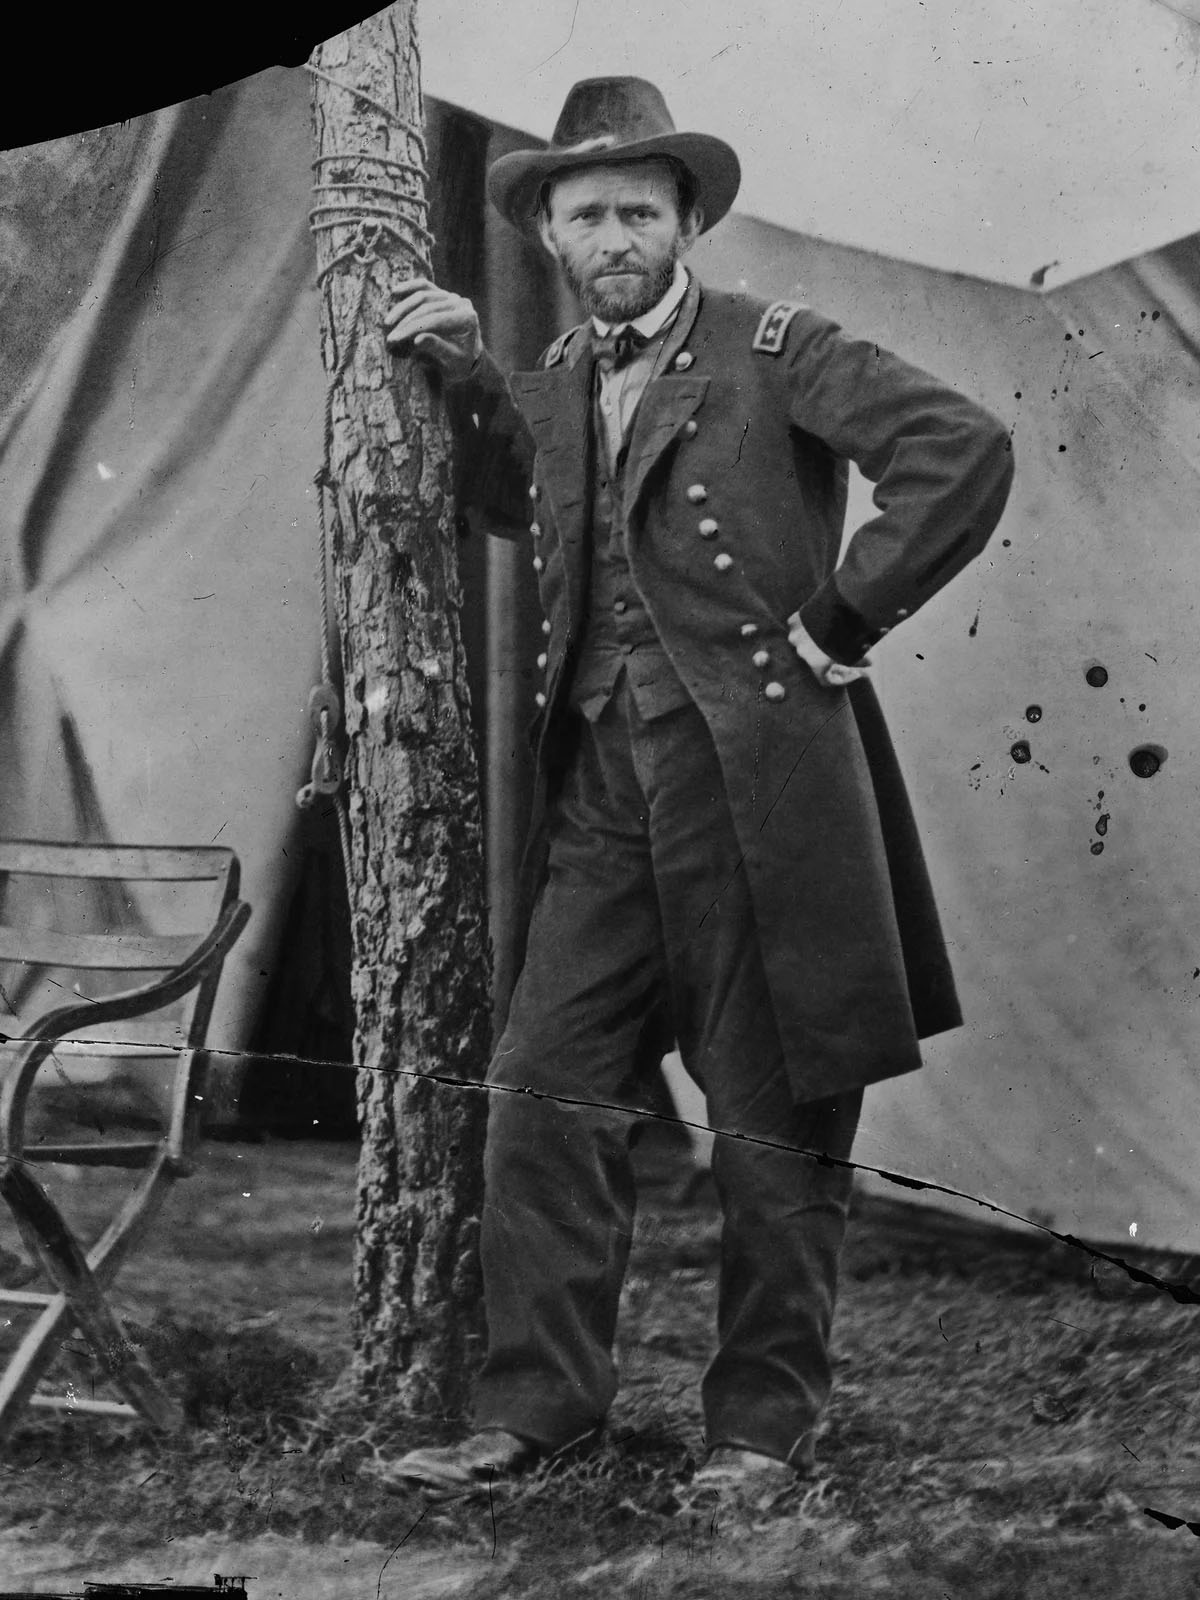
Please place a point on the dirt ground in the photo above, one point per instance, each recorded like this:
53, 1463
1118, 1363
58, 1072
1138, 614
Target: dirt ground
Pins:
1007, 1416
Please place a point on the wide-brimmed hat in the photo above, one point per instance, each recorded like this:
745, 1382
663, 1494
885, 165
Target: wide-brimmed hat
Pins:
614, 120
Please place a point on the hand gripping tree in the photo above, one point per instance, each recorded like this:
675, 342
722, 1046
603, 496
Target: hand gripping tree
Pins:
411, 829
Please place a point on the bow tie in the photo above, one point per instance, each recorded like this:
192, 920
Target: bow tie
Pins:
618, 347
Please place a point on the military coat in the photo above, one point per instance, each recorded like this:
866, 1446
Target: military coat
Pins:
735, 491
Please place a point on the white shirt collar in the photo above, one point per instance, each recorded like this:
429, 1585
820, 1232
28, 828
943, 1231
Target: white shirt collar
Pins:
655, 320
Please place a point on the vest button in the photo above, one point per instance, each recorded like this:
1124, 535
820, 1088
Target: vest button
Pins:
538, 563
684, 360
774, 691
539, 700
620, 607
546, 625
748, 630
535, 529
761, 658
709, 528
535, 492
691, 429
542, 659
901, 614
722, 561
697, 494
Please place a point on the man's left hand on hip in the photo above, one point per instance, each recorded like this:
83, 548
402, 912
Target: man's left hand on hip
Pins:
828, 672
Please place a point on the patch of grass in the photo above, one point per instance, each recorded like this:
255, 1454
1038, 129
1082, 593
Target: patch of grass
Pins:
1001, 1419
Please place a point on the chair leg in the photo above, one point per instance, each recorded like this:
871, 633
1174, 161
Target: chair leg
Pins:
29, 1361
47, 1235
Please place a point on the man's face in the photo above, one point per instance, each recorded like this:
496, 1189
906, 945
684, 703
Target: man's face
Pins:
617, 234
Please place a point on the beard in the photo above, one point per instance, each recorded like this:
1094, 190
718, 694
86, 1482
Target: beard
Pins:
613, 302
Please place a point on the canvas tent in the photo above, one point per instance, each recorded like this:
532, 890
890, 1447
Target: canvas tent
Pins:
162, 401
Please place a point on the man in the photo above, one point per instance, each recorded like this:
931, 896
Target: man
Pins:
724, 854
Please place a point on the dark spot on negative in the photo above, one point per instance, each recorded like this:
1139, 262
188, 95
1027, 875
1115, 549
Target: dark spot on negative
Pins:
1146, 760
1097, 676
1021, 752
1098, 847
1102, 823
1033, 713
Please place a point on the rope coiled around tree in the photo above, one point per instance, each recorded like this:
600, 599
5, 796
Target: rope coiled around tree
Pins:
341, 206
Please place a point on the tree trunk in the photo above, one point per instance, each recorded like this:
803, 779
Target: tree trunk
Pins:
420, 981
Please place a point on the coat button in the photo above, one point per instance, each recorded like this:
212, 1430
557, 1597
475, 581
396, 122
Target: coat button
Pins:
901, 614
697, 494
535, 529
722, 561
620, 607
774, 691
748, 630
542, 659
538, 563
546, 626
539, 700
690, 429
761, 658
535, 492
684, 360
709, 528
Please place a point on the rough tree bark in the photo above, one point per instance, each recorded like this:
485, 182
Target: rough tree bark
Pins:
420, 978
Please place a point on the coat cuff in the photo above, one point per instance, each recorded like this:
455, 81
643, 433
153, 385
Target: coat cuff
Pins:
840, 630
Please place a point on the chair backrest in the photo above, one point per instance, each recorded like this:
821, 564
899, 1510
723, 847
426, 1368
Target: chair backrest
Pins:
81, 922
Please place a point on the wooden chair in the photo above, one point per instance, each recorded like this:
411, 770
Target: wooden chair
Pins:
110, 1021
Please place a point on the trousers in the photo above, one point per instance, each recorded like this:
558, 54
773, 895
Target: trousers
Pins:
644, 932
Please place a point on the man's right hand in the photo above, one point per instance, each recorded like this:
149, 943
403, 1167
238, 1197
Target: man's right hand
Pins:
434, 324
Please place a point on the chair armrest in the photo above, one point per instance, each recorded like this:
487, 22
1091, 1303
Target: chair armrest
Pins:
39, 1042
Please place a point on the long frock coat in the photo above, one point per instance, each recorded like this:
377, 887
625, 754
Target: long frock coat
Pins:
736, 480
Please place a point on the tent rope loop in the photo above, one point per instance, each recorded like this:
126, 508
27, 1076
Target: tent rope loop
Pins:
327, 774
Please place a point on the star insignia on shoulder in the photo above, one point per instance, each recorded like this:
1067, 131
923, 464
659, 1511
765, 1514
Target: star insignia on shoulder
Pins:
771, 336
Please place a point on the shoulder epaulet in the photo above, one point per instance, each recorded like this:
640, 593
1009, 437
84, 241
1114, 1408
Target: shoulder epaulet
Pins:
772, 330
559, 348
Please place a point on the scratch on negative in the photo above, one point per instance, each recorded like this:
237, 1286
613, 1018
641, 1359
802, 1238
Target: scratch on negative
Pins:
836, 712
741, 859
564, 44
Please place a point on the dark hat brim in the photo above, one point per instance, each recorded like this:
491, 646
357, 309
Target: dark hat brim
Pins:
514, 180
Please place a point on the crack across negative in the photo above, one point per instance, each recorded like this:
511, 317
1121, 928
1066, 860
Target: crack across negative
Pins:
1182, 1293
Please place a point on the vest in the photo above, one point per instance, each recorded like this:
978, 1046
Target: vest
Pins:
619, 639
